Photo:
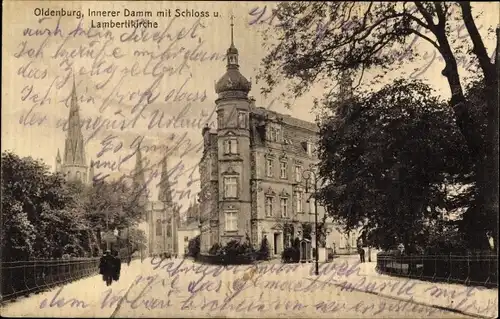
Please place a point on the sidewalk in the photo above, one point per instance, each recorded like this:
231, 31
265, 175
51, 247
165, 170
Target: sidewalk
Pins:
481, 302
89, 290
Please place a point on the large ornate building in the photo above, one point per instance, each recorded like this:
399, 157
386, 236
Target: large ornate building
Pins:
252, 172
161, 217
74, 165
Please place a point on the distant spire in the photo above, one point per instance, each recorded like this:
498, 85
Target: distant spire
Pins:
74, 151
232, 52
58, 157
139, 178
232, 31
165, 194
345, 86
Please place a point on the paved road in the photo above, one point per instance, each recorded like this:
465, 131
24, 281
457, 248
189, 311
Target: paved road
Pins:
195, 291
183, 289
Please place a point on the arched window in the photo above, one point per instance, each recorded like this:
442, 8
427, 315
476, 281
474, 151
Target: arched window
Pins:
159, 229
78, 176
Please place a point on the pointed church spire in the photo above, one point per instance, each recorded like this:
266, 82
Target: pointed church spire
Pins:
345, 86
74, 151
58, 157
165, 194
139, 179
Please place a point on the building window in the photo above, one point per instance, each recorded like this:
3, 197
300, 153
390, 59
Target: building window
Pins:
284, 207
273, 134
169, 229
231, 221
159, 227
299, 202
220, 119
269, 206
242, 120
231, 146
309, 148
298, 173
277, 135
283, 168
269, 167
230, 187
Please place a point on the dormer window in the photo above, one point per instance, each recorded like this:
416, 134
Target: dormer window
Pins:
309, 148
231, 146
220, 119
242, 120
277, 135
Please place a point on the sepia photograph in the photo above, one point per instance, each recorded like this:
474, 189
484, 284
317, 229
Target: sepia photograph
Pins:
231, 159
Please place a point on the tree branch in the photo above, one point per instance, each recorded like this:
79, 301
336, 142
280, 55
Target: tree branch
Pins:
440, 14
426, 15
479, 49
434, 43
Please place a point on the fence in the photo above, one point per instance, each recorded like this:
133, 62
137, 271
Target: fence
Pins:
480, 269
20, 278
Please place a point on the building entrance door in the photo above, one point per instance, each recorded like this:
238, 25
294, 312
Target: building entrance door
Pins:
276, 238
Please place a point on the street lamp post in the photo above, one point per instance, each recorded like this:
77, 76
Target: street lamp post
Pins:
307, 177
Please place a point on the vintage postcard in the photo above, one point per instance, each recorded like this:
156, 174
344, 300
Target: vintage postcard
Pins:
183, 159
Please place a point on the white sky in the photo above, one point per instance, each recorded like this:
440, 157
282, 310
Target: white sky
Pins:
42, 141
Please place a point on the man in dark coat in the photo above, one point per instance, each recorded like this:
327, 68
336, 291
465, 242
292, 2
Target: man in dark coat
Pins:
117, 265
106, 267
361, 252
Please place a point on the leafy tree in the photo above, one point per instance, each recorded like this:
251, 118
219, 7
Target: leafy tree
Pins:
40, 212
111, 205
390, 161
317, 41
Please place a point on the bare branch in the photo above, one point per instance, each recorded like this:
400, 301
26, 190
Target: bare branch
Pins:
479, 49
434, 43
440, 14
427, 16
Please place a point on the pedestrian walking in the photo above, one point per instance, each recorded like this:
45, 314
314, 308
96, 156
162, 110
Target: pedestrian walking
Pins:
106, 267
117, 265
361, 252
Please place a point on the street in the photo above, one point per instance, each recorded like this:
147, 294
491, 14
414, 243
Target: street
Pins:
181, 288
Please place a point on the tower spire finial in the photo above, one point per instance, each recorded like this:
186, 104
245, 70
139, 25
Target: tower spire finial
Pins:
232, 30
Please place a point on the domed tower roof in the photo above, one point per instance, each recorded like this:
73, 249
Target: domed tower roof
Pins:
232, 80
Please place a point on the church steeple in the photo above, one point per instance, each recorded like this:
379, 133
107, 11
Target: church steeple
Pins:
165, 192
74, 152
139, 179
345, 86
58, 161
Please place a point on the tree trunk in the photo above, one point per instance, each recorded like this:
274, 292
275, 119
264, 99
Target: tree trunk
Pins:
472, 226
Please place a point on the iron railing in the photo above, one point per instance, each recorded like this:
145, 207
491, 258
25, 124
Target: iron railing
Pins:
20, 278
472, 269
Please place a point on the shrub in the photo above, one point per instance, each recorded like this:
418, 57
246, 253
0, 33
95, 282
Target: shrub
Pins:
194, 247
215, 249
290, 255
263, 253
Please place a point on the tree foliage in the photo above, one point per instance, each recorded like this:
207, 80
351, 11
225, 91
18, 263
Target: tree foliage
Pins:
392, 160
44, 216
319, 41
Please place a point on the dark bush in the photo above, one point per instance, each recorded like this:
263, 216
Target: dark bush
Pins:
263, 253
194, 247
215, 249
290, 255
